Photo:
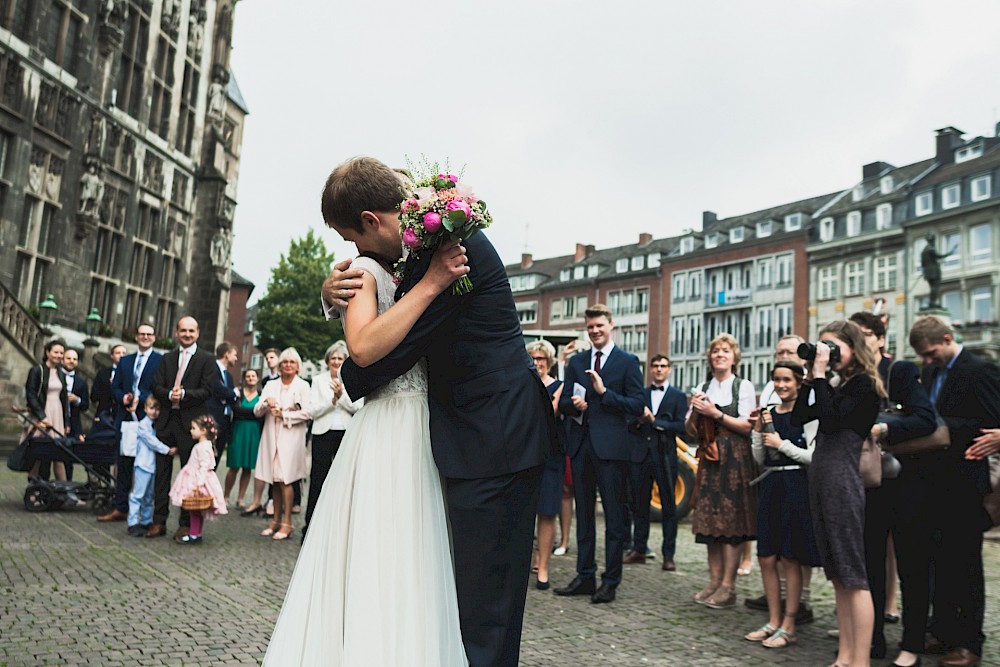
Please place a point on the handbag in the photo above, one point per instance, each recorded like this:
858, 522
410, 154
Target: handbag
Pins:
939, 438
20, 459
129, 437
870, 464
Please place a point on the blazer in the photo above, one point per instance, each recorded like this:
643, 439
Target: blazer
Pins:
322, 408
905, 389
223, 396
668, 423
82, 390
100, 393
969, 400
124, 379
36, 388
197, 384
607, 417
489, 412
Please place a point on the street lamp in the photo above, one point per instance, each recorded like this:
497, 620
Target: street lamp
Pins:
47, 310
92, 325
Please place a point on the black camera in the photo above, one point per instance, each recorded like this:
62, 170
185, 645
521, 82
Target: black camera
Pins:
807, 351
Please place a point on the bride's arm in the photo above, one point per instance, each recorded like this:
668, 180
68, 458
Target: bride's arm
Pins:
370, 336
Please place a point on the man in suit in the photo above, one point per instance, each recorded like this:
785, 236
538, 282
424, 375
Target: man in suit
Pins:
224, 395
77, 390
133, 382
491, 420
654, 459
965, 389
100, 394
183, 384
598, 445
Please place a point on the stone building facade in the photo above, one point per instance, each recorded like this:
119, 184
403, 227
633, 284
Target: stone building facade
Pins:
120, 134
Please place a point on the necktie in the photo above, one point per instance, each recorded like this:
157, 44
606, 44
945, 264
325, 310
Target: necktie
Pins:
181, 366
140, 363
656, 387
938, 383
597, 361
113, 370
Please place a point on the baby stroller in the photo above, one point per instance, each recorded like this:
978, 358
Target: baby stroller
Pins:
95, 455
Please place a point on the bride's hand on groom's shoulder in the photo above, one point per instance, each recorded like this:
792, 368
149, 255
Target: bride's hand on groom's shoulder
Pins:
340, 286
448, 264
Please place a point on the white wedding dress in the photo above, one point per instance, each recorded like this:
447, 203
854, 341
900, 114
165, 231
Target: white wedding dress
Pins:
374, 584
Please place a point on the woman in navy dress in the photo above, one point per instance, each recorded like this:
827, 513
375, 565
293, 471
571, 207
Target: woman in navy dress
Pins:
550, 497
846, 414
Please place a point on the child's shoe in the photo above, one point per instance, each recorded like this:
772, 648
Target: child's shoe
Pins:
137, 531
189, 539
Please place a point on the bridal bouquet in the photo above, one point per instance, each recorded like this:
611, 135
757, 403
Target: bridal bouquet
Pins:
440, 210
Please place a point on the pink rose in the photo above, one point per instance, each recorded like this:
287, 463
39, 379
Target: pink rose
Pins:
459, 205
465, 192
411, 239
411, 203
432, 222
453, 178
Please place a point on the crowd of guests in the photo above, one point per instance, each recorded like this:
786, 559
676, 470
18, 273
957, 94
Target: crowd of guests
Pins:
185, 404
784, 470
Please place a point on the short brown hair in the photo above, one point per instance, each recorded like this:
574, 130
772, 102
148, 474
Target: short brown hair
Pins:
929, 330
869, 321
598, 310
358, 185
223, 348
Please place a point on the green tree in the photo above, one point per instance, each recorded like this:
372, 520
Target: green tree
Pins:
290, 314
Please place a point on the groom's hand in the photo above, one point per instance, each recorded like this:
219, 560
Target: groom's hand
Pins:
340, 286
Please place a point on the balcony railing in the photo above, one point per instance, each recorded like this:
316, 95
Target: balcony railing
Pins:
19, 325
733, 297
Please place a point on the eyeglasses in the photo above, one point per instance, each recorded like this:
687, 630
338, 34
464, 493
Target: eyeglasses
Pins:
539, 358
143, 333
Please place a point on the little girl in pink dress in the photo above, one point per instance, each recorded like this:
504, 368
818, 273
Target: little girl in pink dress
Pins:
199, 475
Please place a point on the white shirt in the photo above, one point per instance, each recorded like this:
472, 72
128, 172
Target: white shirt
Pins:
721, 393
605, 353
656, 397
327, 415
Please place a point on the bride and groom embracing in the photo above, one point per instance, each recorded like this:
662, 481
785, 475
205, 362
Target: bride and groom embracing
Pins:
419, 548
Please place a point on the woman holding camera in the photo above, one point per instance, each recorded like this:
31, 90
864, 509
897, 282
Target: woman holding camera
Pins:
846, 414
726, 512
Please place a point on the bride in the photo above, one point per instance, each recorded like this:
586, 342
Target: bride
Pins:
374, 582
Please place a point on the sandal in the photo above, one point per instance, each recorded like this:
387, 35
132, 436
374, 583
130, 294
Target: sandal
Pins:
761, 634
720, 600
284, 533
780, 639
745, 571
704, 594
269, 531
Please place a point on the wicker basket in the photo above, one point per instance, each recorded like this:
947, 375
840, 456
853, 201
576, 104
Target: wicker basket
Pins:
197, 502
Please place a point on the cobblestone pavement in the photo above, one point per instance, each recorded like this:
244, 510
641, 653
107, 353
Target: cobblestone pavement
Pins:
76, 592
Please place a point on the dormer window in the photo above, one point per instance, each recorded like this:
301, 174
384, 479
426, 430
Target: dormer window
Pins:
981, 188
950, 196
712, 240
883, 216
793, 222
764, 228
885, 185
858, 193
854, 223
687, 245
826, 229
593, 270
653, 260
565, 275
637, 262
736, 235
578, 272
621, 266
924, 203
967, 153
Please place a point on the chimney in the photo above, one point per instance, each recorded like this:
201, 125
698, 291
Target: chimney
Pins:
948, 138
708, 219
874, 170
645, 239
581, 252
590, 250
526, 260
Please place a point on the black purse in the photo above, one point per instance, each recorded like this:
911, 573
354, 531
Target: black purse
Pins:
20, 459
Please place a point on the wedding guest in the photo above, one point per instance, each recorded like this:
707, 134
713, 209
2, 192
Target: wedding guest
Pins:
198, 477
566, 508
77, 393
550, 497
846, 415
224, 395
241, 455
140, 500
965, 390
271, 362
654, 459
605, 395
132, 385
331, 410
725, 511
48, 402
897, 510
784, 523
281, 460
101, 394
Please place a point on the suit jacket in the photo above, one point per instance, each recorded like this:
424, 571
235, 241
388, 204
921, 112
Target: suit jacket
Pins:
608, 416
668, 423
124, 379
197, 383
969, 400
80, 389
222, 397
100, 393
36, 388
489, 412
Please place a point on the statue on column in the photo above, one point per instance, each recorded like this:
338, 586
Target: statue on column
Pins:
930, 263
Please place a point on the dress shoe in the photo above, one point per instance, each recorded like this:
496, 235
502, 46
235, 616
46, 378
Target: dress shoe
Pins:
560, 551
606, 593
935, 646
891, 618
156, 530
633, 558
579, 586
668, 565
960, 657
542, 585
189, 539
760, 604
113, 515
137, 531
181, 532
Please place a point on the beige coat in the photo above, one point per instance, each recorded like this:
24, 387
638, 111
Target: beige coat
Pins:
283, 438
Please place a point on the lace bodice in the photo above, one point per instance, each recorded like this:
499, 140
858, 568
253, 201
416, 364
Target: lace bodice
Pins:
415, 379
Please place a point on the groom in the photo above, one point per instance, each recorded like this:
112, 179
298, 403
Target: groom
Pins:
492, 425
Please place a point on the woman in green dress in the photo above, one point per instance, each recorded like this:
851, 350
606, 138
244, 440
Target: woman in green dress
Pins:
242, 451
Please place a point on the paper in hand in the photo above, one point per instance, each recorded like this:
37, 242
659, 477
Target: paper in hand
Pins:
581, 391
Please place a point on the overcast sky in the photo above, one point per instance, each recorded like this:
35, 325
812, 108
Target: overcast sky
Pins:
592, 121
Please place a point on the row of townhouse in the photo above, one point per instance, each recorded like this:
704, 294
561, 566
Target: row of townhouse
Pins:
791, 268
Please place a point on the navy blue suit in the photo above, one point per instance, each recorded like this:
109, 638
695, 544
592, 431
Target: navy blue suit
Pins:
654, 458
492, 429
220, 406
120, 387
599, 449
81, 390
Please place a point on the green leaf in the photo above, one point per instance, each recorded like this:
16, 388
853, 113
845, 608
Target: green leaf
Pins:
447, 223
458, 217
